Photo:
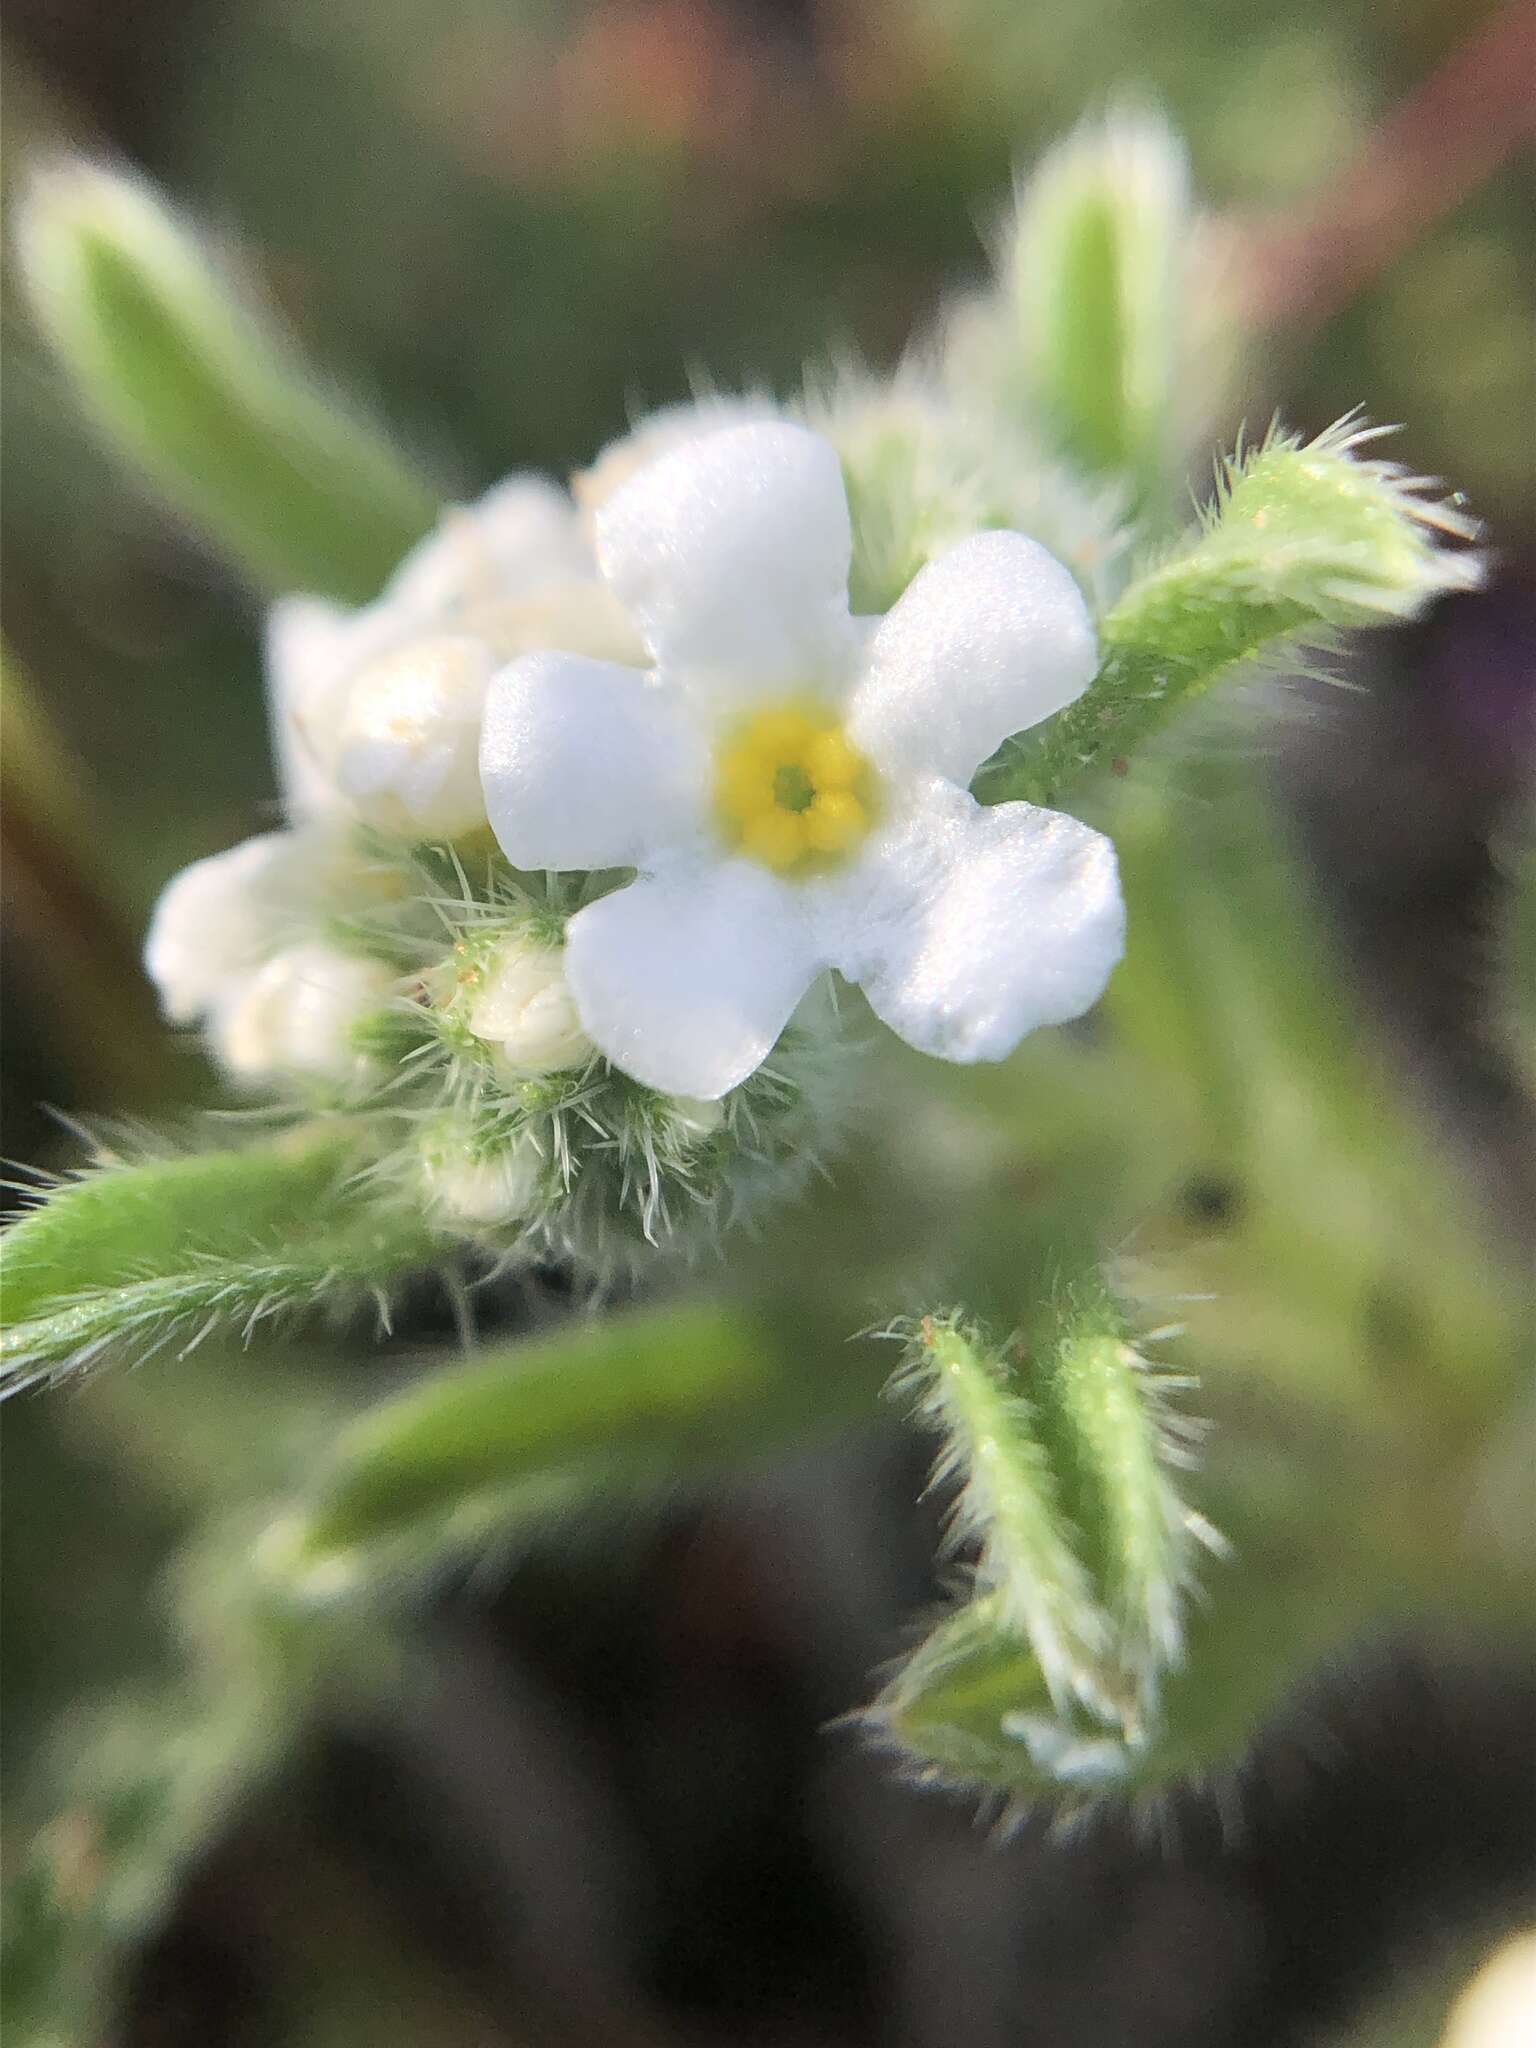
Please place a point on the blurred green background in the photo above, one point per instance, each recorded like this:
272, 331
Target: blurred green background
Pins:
509, 227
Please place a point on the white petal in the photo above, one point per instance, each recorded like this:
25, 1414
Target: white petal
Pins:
988, 639
586, 764
311, 648
686, 979
672, 426
731, 554
969, 927
521, 534
474, 1189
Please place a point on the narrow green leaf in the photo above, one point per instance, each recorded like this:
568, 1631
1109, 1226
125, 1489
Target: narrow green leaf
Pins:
136, 1256
1348, 1264
661, 1380
190, 381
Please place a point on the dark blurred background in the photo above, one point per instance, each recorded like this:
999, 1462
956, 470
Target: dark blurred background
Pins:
612, 1809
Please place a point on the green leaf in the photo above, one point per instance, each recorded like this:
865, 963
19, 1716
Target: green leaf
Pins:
1009, 1500
1302, 539
199, 390
1119, 1439
663, 1382
136, 1256
971, 1705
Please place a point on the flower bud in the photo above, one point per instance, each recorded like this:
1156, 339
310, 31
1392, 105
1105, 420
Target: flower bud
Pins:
520, 536
696, 1120
215, 922
299, 1013
400, 737
472, 1189
524, 1008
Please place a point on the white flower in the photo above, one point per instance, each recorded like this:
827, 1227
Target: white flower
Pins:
524, 1007
474, 1189
376, 712
216, 922
298, 1014
791, 781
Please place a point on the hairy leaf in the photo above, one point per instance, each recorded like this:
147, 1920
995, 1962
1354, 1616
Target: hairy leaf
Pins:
133, 1257
199, 390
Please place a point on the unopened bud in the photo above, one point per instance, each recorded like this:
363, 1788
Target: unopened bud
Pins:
299, 1015
477, 1189
525, 1009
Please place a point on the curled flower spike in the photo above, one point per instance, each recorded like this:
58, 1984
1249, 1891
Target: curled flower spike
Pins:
790, 781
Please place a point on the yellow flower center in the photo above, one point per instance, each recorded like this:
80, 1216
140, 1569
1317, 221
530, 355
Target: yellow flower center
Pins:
792, 791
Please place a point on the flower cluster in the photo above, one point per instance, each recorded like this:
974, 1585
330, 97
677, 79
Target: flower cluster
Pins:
584, 807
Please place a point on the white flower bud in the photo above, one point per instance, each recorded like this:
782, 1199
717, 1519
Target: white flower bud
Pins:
486, 1190
524, 1008
521, 535
215, 922
298, 1014
697, 1119
400, 737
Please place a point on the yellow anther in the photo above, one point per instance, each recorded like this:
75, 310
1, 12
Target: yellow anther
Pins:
830, 761
776, 838
835, 821
745, 784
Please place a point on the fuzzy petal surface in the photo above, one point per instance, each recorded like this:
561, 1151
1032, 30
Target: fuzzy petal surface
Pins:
685, 979
987, 640
588, 764
731, 554
970, 927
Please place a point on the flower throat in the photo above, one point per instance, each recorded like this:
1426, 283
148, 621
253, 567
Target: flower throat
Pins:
792, 791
